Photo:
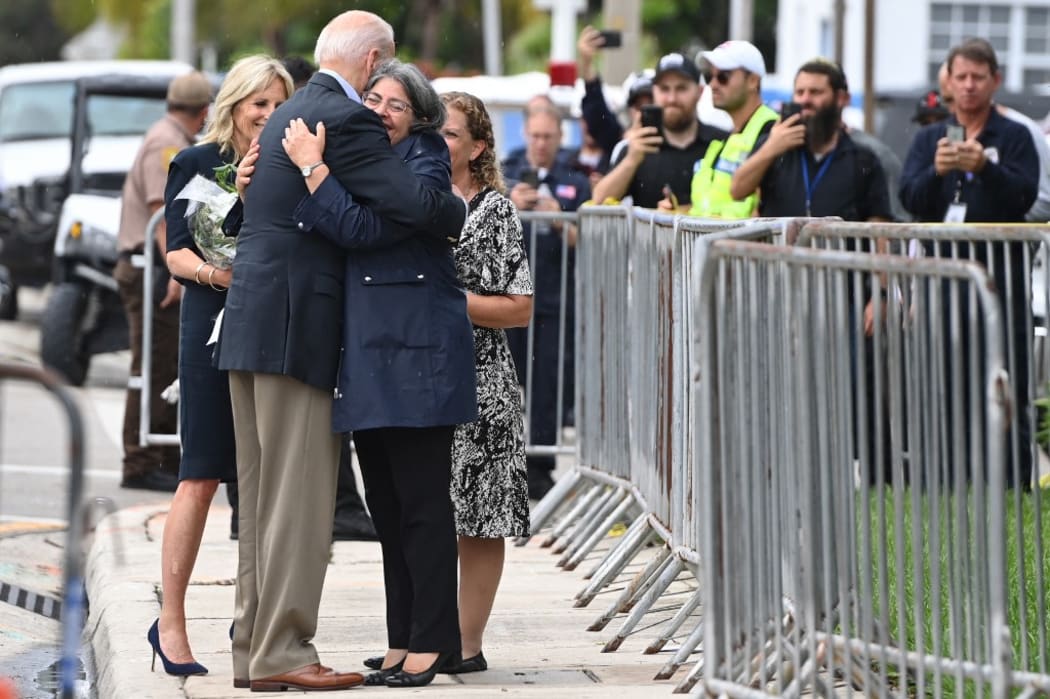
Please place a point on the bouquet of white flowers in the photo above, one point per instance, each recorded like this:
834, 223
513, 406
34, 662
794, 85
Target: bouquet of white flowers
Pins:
207, 204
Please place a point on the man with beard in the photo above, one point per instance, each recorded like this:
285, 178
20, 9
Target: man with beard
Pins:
659, 160
735, 81
808, 165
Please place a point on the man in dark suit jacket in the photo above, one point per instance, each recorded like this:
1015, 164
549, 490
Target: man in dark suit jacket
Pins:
281, 344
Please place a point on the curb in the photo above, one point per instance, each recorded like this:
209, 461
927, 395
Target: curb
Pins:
124, 590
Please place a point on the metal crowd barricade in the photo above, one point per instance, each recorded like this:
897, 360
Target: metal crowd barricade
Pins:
818, 577
1008, 249
73, 603
633, 322
143, 382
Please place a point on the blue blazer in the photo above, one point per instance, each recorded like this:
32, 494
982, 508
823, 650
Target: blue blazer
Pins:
284, 310
408, 344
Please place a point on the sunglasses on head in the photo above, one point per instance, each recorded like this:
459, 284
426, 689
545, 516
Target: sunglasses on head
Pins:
722, 77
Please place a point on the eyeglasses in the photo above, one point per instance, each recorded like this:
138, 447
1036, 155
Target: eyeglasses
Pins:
722, 77
373, 100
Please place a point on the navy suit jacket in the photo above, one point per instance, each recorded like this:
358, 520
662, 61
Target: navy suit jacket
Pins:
284, 309
408, 344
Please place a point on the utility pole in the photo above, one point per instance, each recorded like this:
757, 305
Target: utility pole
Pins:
869, 66
183, 41
624, 16
563, 26
492, 28
840, 29
741, 20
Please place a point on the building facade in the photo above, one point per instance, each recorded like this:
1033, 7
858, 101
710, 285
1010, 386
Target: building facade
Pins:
912, 38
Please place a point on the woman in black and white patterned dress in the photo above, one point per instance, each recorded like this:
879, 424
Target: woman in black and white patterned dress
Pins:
489, 489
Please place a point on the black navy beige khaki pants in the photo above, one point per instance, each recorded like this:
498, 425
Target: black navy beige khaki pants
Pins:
287, 458
407, 473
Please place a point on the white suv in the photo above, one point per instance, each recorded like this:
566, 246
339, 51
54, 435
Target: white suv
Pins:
36, 118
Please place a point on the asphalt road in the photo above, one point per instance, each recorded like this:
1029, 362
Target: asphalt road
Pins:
34, 498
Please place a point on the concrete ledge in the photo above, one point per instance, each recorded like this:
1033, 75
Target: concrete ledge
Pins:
123, 603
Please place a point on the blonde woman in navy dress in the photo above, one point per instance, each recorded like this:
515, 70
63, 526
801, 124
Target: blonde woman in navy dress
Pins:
253, 88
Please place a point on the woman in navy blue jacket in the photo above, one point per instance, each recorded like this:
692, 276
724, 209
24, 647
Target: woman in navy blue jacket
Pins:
407, 374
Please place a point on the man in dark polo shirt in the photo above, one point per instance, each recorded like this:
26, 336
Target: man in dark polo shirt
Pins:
656, 159
987, 173
808, 165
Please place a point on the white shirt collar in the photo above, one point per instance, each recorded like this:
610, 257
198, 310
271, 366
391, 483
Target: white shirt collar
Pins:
347, 87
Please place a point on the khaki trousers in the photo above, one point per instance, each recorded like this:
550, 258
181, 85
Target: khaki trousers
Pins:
287, 461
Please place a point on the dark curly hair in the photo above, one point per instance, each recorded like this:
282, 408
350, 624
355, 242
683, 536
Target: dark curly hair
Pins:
485, 168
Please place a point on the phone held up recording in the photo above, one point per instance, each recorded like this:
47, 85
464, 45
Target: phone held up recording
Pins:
530, 177
956, 134
789, 109
653, 115
613, 39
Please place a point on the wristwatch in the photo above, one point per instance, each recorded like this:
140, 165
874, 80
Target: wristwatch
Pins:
309, 169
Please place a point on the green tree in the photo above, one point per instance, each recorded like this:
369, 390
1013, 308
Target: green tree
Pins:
441, 35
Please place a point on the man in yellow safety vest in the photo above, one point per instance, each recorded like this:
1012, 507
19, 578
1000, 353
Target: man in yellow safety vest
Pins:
736, 69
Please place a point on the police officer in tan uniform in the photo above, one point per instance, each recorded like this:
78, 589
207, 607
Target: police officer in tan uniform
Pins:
155, 468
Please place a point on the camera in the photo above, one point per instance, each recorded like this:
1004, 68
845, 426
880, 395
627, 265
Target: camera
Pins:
789, 109
613, 38
956, 134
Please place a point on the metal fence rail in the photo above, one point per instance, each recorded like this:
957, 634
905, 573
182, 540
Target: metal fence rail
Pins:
812, 451
819, 577
632, 344
1008, 254
73, 604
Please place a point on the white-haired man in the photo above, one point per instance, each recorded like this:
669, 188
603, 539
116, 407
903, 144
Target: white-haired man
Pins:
280, 341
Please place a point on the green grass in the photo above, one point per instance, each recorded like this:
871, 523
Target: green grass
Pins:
906, 587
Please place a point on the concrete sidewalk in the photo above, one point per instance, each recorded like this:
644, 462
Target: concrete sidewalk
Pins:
536, 642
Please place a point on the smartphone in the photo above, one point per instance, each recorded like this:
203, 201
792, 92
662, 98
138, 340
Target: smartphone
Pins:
530, 177
956, 134
653, 115
789, 109
613, 38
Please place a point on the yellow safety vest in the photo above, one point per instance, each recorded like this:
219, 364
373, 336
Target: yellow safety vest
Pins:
714, 174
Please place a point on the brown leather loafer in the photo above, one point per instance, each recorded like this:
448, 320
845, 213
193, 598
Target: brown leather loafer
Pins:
314, 677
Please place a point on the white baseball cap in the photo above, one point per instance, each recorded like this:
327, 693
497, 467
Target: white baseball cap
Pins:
730, 55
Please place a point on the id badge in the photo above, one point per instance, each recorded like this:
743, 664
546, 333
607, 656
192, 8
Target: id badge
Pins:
956, 213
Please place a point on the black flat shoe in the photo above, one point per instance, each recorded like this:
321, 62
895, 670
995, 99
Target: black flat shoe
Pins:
378, 678
420, 679
476, 663
375, 662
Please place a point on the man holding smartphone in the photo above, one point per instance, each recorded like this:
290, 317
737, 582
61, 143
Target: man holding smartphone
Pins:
979, 166
541, 182
659, 158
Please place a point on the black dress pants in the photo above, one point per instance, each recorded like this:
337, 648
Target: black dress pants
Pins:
407, 473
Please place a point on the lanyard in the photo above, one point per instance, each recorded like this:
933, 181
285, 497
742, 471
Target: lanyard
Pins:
810, 188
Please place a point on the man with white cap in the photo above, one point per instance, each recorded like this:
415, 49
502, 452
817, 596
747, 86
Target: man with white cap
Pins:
736, 69
660, 159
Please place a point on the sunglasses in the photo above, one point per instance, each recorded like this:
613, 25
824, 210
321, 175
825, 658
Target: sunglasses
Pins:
722, 77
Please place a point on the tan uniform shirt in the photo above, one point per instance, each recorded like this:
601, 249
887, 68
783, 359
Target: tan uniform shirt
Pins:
145, 182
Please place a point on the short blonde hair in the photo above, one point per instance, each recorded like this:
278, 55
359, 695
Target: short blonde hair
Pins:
249, 75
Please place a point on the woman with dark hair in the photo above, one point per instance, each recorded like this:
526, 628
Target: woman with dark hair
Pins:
407, 373
253, 88
489, 488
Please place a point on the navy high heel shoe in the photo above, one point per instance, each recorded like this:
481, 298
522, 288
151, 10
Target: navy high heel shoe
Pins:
178, 669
